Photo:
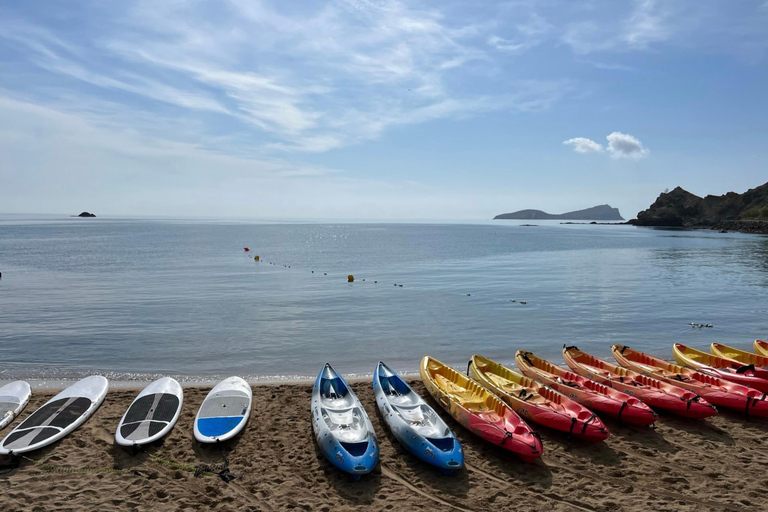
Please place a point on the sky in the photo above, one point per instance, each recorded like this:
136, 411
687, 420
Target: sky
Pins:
376, 109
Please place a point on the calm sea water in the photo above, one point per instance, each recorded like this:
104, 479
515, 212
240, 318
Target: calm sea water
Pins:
135, 298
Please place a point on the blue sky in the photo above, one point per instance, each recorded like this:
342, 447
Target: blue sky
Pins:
363, 109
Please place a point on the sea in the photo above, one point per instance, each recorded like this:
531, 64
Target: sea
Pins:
135, 298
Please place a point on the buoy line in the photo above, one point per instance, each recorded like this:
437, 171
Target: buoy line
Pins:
351, 280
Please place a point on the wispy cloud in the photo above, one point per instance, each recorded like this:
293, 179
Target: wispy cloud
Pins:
584, 145
523, 36
649, 22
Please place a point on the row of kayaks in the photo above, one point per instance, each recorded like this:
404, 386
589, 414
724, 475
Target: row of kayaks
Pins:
495, 402
151, 415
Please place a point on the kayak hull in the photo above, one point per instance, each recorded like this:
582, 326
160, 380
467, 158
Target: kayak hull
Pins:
537, 403
415, 424
722, 368
718, 392
479, 411
593, 395
741, 356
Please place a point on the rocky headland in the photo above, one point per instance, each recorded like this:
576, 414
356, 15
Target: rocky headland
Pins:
747, 212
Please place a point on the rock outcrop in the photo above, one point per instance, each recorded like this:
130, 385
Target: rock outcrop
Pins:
86, 214
732, 211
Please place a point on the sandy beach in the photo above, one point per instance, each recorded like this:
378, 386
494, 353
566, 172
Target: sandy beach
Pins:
681, 465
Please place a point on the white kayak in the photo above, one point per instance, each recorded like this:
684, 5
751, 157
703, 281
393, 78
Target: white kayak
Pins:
14, 397
57, 417
224, 412
414, 423
341, 426
152, 414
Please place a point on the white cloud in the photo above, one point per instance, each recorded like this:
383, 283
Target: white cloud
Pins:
622, 145
584, 145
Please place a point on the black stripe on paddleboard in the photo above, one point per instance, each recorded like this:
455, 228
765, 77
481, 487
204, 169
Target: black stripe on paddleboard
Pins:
142, 429
35, 436
43, 414
141, 408
71, 413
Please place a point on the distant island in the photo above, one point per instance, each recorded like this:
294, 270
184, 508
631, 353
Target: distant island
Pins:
602, 212
747, 212
86, 214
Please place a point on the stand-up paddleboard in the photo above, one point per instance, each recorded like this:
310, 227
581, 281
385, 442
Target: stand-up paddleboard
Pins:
152, 414
224, 412
14, 397
57, 417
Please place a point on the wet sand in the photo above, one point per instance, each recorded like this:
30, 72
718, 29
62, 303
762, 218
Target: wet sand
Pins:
681, 465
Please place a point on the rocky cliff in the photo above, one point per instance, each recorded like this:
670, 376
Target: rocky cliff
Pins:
680, 208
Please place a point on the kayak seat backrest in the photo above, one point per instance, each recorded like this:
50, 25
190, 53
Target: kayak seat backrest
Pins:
459, 393
503, 383
393, 386
333, 388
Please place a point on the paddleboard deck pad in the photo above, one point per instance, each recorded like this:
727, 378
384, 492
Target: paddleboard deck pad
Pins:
152, 414
224, 412
58, 417
13, 398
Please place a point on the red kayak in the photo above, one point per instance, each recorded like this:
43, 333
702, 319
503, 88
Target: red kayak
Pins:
722, 368
588, 393
479, 410
653, 392
537, 403
719, 392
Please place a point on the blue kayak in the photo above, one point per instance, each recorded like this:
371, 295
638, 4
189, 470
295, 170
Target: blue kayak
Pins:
341, 426
414, 423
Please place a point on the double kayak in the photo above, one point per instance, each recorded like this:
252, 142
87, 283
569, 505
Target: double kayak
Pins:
341, 426
716, 391
479, 410
591, 394
537, 403
741, 356
414, 423
728, 369
653, 392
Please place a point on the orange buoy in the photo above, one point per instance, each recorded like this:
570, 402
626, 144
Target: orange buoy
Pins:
350, 278
256, 258
246, 249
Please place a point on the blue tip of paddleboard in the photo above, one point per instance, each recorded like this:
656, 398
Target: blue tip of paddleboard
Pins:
215, 427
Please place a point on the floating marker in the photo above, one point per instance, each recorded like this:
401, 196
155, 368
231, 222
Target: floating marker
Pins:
246, 249
375, 282
350, 278
325, 273
256, 258
400, 285
523, 302
313, 271
468, 295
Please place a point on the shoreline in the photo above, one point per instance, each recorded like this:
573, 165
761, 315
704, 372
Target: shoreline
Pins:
681, 466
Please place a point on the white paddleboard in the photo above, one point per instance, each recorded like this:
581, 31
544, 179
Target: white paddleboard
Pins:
224, 412
14, 397
152, 414
57, 417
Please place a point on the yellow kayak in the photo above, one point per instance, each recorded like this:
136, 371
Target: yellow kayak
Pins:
761, 347
741, 356
479, 410
722, 368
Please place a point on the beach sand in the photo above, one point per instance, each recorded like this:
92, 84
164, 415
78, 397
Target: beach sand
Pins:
681, 465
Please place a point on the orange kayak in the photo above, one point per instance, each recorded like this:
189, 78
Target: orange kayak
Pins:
653, 392
719, 392
537, 403
591, 394
479, 411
